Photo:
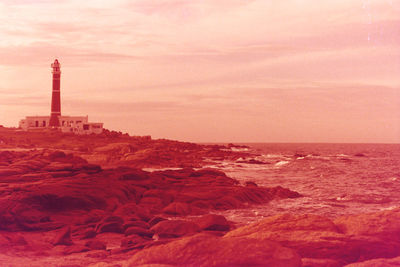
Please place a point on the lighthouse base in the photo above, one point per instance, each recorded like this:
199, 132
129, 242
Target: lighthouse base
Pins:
54, 121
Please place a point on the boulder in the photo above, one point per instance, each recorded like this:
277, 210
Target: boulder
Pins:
316, 237
207, 250
311, 235
381, 262
174, 228
385, 224
213, 222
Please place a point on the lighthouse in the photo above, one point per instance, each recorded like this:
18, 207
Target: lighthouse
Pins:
55, 98
65, 124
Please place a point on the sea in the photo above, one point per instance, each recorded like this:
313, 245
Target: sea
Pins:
333, 179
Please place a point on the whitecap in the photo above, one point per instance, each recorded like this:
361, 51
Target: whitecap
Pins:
389, 208
235, 149
281, 163
161, 169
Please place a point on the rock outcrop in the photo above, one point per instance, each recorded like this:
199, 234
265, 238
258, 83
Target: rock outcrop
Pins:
70, 200
208, 250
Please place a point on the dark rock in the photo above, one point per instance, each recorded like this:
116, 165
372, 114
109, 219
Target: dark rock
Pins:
57, 201
140, 224
138, 231
63, 237
114, 227
95, 245
207, 172
156, 220
359, 155
174, 228
252, 161
135, 175
88, 233
56, 155
251, 184
95, 215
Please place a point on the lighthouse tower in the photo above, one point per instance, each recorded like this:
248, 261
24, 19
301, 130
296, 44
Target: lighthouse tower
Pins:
55, 98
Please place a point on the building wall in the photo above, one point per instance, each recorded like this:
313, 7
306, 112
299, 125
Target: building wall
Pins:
34, 122
72, 121
68, 124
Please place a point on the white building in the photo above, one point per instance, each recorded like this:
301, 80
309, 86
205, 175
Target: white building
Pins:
68, 124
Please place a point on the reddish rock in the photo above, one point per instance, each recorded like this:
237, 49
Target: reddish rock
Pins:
113, 227
63, 237
135, 242
317, 237
156, 220
308, 262
207, 172
138, 231
140, 224
251, 184
153, 203
11, 240
174, 228
5, 172
143, 214
178, 208
88, 233
207, 250
280, 192
75, 249
56, 155
90, 168
135, 175
381, 262
213, 222
113, 218
165, 195
385, 224
95, 245
126, 210
95, 215
58, 166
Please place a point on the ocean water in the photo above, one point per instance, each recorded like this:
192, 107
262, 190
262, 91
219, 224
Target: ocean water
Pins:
334, 179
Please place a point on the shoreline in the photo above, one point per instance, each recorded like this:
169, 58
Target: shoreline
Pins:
66, 208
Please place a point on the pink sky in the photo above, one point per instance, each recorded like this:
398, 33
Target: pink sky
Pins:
209, 71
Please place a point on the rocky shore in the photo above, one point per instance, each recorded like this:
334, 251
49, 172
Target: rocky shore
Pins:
68, 200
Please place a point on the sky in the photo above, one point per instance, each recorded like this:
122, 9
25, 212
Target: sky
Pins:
209, 70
